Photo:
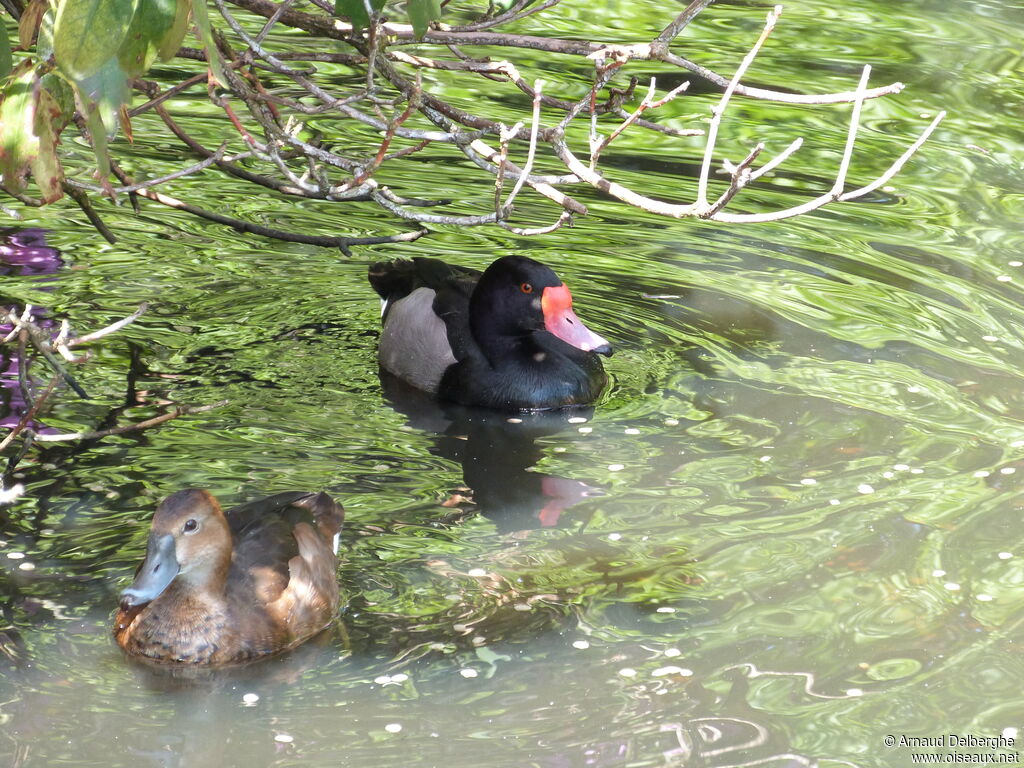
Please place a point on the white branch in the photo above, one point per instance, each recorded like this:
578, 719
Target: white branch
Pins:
718, 111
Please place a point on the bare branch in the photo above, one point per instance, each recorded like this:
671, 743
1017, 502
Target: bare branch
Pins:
563, 219
216, 157
897, 164
718, 111
294, 237
112, 328
645, 104
776, 161
69, 187
534, 128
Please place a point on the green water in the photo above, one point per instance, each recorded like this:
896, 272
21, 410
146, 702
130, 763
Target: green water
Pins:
790, 528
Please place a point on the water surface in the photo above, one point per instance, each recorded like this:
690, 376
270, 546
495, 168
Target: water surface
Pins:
790, 528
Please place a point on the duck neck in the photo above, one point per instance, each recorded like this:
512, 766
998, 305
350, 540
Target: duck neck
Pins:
502, 348
208, 577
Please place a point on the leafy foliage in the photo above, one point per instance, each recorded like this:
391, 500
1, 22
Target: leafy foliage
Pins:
87, 51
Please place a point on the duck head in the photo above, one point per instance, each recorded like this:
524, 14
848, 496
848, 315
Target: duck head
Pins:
189, 541
517, 295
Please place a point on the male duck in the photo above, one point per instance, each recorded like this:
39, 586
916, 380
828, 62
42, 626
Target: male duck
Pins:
507, 338
220, 588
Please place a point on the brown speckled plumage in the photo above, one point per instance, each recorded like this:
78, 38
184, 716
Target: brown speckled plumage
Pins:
257, 580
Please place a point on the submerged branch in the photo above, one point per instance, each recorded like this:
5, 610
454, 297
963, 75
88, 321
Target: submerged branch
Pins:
181, 410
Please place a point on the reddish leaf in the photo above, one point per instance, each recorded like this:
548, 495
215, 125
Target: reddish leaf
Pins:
30, 124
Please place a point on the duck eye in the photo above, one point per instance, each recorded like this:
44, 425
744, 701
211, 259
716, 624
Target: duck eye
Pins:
190, 526
526, 288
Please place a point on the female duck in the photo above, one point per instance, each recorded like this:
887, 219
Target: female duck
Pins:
220, 588
505, 339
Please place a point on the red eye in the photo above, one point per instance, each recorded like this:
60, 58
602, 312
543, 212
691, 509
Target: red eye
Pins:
526, 288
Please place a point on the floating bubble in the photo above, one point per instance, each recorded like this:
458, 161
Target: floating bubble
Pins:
672, 670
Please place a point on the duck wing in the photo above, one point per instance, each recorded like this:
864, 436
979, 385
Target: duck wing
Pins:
425, 314
274, 534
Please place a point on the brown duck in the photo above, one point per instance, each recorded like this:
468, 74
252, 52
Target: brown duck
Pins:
226, 588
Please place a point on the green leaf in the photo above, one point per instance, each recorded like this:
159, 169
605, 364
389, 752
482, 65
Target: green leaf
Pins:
6, 61
355, 11
44, 43
152, 21
29, 128
97, 132
107, 89
421, 13
87, 32
202, 21
168, 45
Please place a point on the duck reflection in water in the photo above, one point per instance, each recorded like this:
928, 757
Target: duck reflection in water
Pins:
497, 451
